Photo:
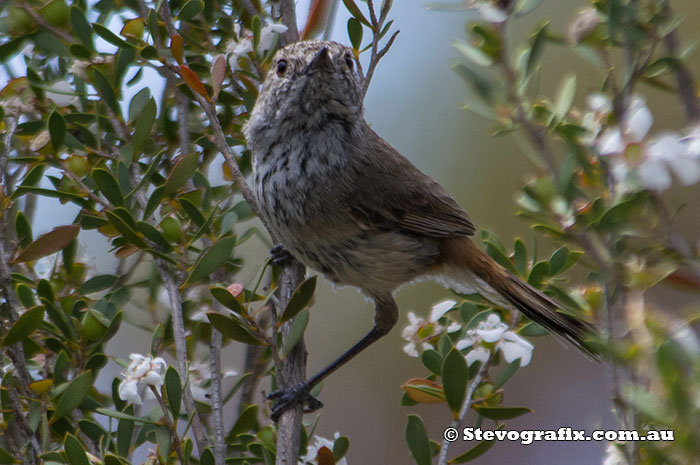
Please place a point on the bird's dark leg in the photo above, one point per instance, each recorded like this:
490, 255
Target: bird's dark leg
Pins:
280, 255
386, 314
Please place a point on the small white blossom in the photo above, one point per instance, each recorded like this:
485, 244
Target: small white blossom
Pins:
613, 455
313, 448
493, 330
63, 94
15, 106
440, 309
79, 69
411, 333
236, 49
488, 11
142, 371
269, 33
199, 377
40, 140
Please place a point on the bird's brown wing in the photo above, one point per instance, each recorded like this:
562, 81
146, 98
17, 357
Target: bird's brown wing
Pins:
394, 194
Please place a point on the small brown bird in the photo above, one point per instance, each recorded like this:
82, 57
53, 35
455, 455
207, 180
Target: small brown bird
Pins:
346, 203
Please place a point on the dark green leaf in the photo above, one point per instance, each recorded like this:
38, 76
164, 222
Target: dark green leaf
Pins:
558, 260
125, 230
212, 259
98, 283
300, 299
454, 379
73, 395
190, 10
124, 416
109, 36
57, 130
173, 389
75, 453
144, 123
536, 48
23, 229
81, 27
153, 201
232, 328
49, 243
104, 87
432, 361
340, 447
356, 12
520, 257
355, 33
5, 457
108, 185
507, 373
246, 422
225, 298
154, 235
182, 171
25, 325
296, 332
417, 440
538, 274
501, 413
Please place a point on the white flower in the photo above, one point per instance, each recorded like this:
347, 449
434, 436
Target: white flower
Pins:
141, 371
412, 332
199, 376
79, 67
15, 106
64, 94
441, 308
313, 448
269, 33
488, 11
599, 103
493, 330
633, 130
40, 140
614, 455
515, 347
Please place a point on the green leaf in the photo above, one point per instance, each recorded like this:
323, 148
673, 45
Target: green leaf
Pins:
246, 422
81, 27
154, 235
190, 10
432, 361
57, 130
499, 256
476, 451
501, 413
520, 257
417, 440
455, 374
232, 328
566, 94
23, 228
74, 451
356, 12
506, 374
300, 299
539, 272
109, 36
73, 395
124, 416
355, 33
182, 171
49, 243
106, 91
472, 53
153, 201
98, 283
127, 232
173, 389
225, 298
536, 48
108, 185
524, 7
210, 260
340, 447
25, 325
6, 458
296, 332
144, 123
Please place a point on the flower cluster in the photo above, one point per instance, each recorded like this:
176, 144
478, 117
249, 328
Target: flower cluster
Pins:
636, 159
489, 335
237, 49
319, 442
488, 11
142, 371
492, 334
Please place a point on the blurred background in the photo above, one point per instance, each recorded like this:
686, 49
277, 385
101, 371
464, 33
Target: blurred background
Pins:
414, 103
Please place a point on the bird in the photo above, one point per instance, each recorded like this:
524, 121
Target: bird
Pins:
347, 204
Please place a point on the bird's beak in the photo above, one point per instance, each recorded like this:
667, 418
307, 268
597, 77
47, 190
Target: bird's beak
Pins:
320, 61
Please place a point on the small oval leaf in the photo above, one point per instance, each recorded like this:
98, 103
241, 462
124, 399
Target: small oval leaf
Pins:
49, 243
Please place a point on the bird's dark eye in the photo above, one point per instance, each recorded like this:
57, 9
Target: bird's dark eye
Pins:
349, 61
281, 67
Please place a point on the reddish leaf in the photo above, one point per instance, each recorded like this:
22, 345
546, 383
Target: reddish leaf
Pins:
218, 73
684, 280
193, 81
316, 20
324, 456
177, 48
424, 391
49, 243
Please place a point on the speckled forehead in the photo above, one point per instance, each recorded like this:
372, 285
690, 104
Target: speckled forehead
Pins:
303, 51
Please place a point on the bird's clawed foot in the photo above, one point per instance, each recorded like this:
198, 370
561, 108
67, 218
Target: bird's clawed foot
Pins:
280, 255
288, 398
